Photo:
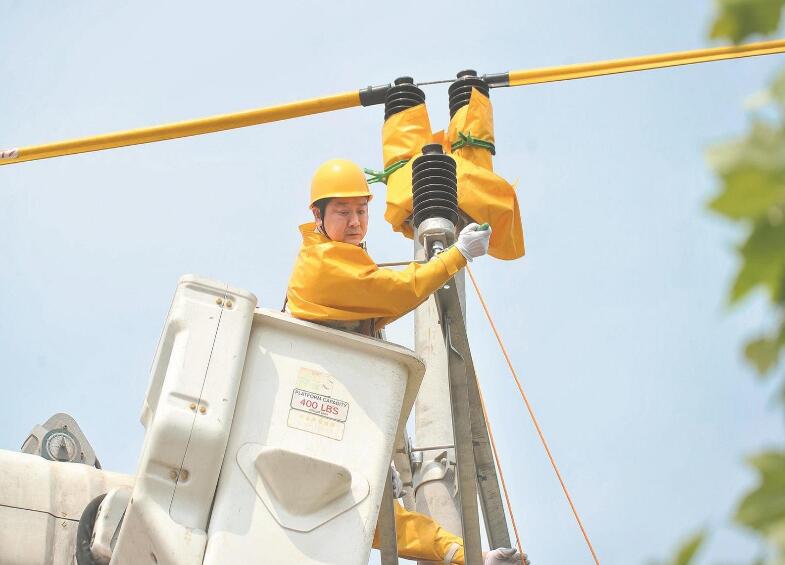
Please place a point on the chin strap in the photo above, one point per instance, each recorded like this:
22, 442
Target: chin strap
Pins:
320, 228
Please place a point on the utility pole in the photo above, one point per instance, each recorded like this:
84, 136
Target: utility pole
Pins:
436, 495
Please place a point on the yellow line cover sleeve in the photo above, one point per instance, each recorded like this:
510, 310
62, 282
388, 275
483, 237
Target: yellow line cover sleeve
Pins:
182, 129
645, 63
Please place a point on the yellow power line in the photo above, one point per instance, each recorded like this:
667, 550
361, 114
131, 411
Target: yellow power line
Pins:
371, 96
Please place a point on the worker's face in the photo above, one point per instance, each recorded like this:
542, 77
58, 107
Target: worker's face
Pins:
345, 219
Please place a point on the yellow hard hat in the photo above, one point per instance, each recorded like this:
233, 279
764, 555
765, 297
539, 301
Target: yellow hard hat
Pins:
338, 178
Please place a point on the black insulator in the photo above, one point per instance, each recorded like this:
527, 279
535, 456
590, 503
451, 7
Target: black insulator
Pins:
460, 91
373, 94
434, 186
402, 95
432, 149
433, 183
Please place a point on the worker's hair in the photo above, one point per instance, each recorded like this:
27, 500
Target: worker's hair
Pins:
321, 205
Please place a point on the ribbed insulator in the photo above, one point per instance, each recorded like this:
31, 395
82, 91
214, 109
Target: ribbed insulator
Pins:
434, 186
461, 90
402, 95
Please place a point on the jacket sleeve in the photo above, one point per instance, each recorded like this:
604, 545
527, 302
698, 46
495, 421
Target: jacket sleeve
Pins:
346, 284
420, 537
389, 292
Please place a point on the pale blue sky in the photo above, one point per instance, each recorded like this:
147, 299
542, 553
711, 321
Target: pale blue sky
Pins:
616, 318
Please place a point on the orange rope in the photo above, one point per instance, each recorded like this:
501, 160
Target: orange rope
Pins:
531, 414
499, 466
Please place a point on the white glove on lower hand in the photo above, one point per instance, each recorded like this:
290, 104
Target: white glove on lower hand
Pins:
397, 484
473, 242
504, 555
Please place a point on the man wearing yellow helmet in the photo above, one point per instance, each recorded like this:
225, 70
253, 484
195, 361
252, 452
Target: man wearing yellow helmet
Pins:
335, 280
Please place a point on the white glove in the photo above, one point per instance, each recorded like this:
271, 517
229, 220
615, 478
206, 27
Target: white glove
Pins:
504, 555
397, 484
473, 242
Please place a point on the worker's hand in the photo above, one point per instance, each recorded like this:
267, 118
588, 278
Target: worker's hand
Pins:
397, 484
504, 555
473, 240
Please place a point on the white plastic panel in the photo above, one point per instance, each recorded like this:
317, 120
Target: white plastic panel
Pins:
329, 399
188, 413
40, 505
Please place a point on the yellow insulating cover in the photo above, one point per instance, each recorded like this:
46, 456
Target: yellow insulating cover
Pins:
333, 280
399, 199
475, 118
486, 197
420, 537
404, 134
482, 195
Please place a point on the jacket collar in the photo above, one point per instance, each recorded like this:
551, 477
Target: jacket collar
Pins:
312, 236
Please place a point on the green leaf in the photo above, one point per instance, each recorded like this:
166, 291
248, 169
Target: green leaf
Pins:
752, 170
689, 549
738, 19
762, 147
763, 256
763, 509
763, 353
749, 193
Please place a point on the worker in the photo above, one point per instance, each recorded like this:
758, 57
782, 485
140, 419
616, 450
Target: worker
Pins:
335, 282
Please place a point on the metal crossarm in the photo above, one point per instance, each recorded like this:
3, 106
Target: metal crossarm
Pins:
487, 479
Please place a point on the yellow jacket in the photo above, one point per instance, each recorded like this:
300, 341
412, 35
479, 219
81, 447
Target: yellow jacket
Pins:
332, 280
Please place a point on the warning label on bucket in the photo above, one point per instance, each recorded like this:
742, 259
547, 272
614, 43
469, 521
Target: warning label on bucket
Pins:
320, 405
313, 406
314, 424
